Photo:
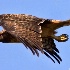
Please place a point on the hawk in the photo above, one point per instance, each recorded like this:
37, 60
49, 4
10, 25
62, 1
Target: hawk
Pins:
35, 33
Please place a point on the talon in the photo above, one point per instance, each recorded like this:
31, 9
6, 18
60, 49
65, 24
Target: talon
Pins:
64, 37
61, 38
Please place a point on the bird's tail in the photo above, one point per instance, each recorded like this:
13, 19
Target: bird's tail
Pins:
50, 49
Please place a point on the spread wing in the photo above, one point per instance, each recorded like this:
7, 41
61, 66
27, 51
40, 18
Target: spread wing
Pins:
26, 29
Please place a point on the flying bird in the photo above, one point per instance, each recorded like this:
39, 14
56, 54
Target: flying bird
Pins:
35, 33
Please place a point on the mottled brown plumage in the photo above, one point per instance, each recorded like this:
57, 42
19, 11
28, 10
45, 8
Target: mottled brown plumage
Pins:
35, 33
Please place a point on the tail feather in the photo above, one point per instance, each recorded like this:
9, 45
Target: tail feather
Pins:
50, 49
48, 56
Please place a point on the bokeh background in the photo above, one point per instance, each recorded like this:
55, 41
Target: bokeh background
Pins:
16, 56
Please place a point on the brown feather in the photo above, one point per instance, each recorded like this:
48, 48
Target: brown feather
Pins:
35, 33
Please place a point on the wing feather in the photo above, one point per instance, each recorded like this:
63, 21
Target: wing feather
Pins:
24, 27
27, 30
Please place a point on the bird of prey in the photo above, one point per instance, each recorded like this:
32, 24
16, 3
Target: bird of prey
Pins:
35, 33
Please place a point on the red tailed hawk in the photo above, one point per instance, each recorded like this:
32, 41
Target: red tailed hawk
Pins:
35, 33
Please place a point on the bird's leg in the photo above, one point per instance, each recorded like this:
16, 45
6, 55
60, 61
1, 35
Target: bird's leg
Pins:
61, 38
